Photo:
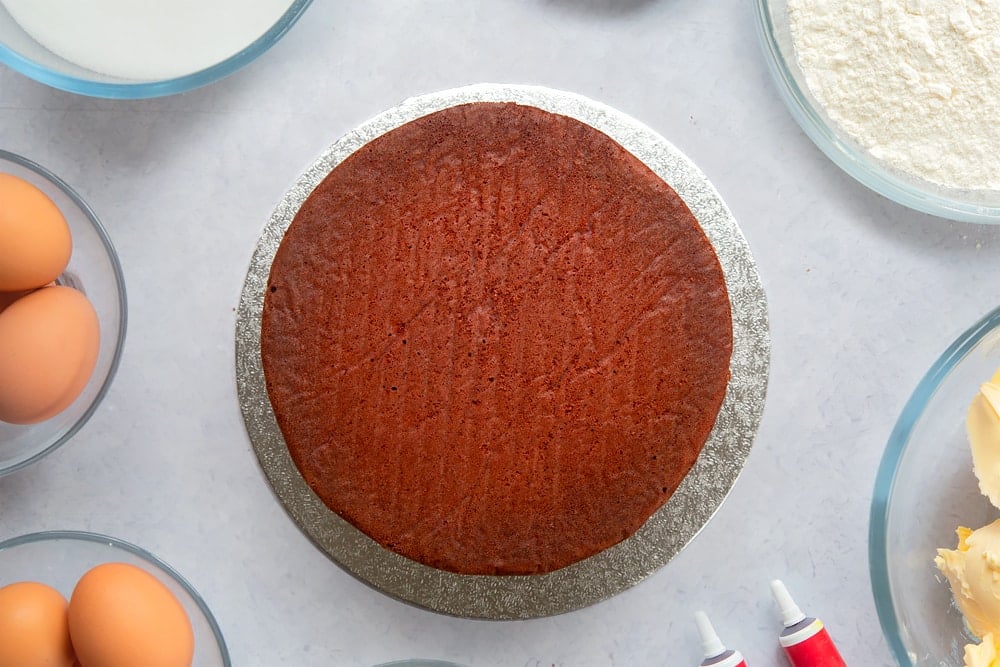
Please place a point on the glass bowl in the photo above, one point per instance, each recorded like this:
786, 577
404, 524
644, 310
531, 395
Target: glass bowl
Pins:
982, 206
60, 558
925, 488
93, 269
419, 663
21, 52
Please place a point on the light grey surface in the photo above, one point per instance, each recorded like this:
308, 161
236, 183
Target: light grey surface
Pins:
863, 295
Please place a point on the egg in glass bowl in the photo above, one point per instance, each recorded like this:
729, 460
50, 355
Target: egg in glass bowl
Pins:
113, 599
84, 313
925, 489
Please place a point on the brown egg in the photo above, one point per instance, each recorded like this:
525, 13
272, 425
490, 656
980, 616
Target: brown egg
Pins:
33, 627
35, 242
49, 342
122, 616
7, 298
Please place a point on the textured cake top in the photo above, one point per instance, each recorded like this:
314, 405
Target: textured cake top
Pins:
494, 340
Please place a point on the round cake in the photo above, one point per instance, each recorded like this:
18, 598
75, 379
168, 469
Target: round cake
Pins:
494, 340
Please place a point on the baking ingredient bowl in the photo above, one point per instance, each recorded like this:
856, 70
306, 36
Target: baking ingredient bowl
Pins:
982, 206
60, 558
94, 270
925, 488
23, 53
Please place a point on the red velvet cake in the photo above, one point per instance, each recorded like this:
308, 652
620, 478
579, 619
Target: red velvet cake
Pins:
494, 340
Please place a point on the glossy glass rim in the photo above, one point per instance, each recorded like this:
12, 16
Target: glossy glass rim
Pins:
98, 538
855, 164
878, 563
148, 89
122, 306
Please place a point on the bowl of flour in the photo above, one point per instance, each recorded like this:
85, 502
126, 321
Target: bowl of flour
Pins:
904, 95
138, 48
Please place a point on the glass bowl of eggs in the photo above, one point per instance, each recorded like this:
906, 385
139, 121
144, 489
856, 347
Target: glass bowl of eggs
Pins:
144, 49
67, 595
902, 139
925, 489
62, 312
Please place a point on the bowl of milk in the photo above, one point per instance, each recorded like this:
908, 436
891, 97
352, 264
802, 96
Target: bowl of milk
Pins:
138, 48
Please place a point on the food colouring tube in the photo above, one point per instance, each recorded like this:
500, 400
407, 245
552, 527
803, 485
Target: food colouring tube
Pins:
805, 641
716, 655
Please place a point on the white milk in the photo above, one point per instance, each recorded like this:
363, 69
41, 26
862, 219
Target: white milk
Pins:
146, 39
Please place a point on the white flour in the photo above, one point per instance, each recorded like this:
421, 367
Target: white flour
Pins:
916, 82
145, 39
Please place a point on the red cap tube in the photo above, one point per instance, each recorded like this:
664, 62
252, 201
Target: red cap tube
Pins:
805, 641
